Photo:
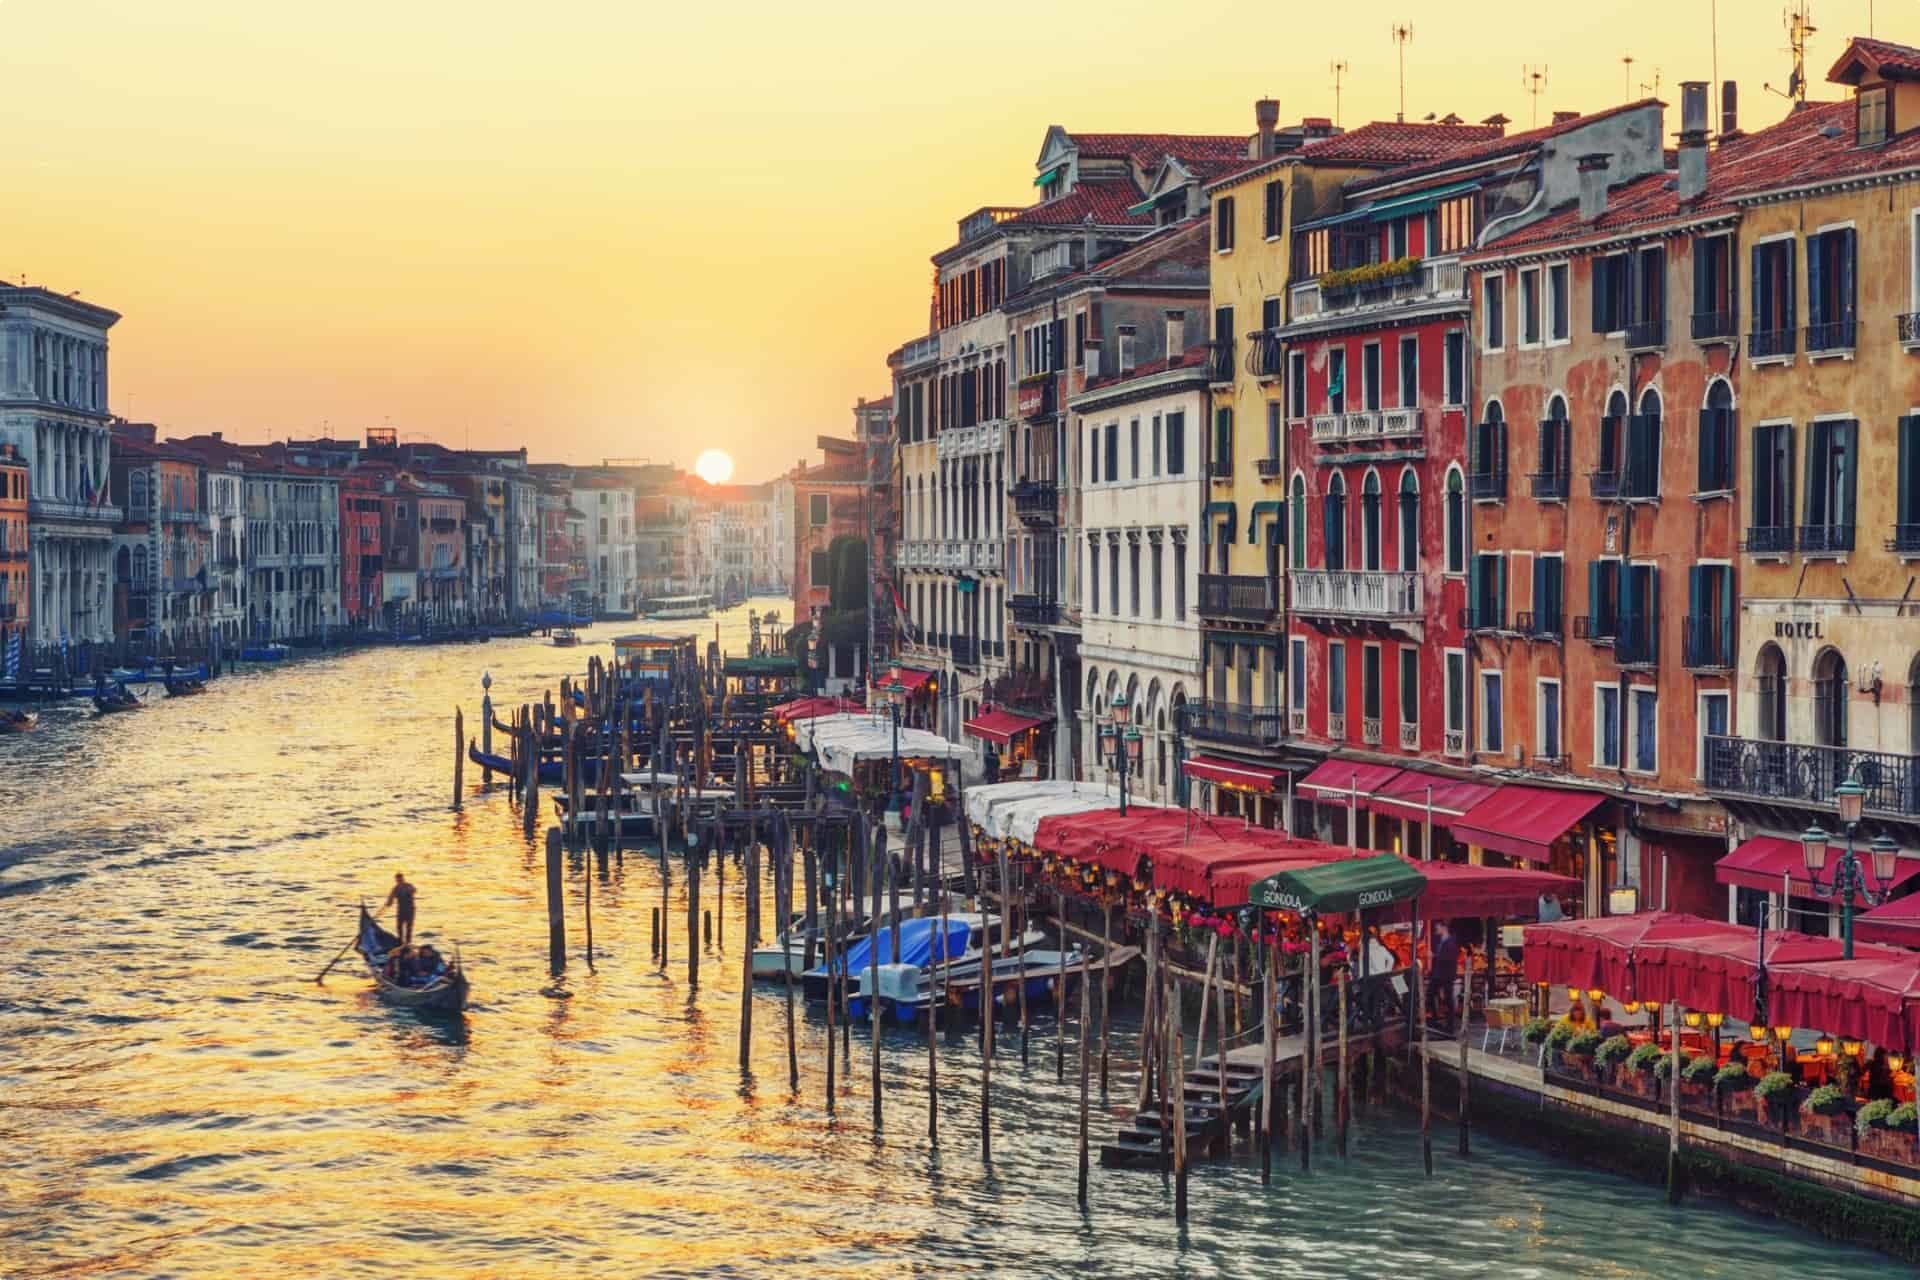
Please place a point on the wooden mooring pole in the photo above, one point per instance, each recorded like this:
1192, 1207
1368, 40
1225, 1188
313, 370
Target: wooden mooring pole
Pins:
1460, 1029
1426, 1082
785, 894
1342, 1096
1086, 1006
459, 755
746, 952
1268, 1037
556, 907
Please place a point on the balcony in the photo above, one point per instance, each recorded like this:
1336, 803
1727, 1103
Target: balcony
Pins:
1604, 484
1485, 616
1263, 356
1370, 731
1826, 539
1249, 597
1428, 281
1647, 335
1220, 362
1267, 468
1455, 742
1539, 626
1909, 328
1770, 344
1548, 486
1712, 326
1034, 610
1487, 485
1297, 721
1337, 725
1328, 428
1636, 641
9, 611
1833, 338
1363, 425
1905, 539
1709, 644
1401, 424
1595, 628
985, 437
18, 554
1769, 540
1806, 773
1409, 735
1036, 501
443, 524
966, 651
1233, 722
1367, 595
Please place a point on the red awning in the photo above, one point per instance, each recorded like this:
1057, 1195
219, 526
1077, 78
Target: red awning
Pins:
1599, 952
1874, 997
999, 726
1406, 796
1337, 779
1190, 862
1718, 971
1764, 861
1523, 822
1455, 889
1230, 884
906, 677
814, 708
1896, 924
1227, 772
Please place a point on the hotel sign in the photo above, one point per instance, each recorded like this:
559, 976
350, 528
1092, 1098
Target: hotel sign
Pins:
1035, 399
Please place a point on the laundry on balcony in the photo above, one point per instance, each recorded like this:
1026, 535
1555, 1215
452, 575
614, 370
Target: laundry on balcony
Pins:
1230, 773
1337, 781
1524, 822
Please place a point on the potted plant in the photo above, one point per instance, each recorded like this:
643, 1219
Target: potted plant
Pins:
1886, 1131
1646, 1068
1534, 1034
1696, 1081
1827, 1116
1734, 1086
1773, 1097
1559, 1036
1580, 1052
1611, 1052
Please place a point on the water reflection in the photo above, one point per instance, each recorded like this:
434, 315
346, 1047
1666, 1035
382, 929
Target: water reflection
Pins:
177, 1097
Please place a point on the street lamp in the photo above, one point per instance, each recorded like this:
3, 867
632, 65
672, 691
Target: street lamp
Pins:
1120, 743
1849, 877
896, 694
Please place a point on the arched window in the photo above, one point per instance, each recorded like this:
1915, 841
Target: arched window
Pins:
1456, 522
1770, 687
139, 566
1613, 426
1490, 453
1550, 480
1409, 521
1334, 523
1370, 521
1642, 479
137, 490
1716, 439
1830, 699
1297, 517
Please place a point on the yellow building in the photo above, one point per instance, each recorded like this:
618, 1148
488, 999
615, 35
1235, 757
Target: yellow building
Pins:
1829, 390
1236, 729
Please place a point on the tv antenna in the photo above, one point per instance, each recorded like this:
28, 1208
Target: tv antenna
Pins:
1534, 81
1402, 37
1339, 68
1799, 24
1651, 90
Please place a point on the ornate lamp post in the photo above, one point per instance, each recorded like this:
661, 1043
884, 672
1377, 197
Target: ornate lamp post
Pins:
1121, 745
1849, 877
896, 695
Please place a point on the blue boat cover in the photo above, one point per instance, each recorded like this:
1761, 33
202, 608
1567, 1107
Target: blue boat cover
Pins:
919, 945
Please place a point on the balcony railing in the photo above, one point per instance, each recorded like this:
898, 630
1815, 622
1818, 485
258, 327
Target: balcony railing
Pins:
1832, 336
1642, 476
1233, 722
1398, 424
1297, 721
1409, 735
1540, 626
1765, 344
1263, 356
1220, 361
1431, 279
1373, 594
1806, 773
1646, 335
1597, 628
1604, 483
1487, 484
1905, 539
1486, 616
1036, 500
1249, 597
1034, 610
1709, 643
13, 553
1826, 539
1710, 325
1548, 485
1769, 540
1908, 326
1266, 468
966, 651
1636, 641
1337, 725
1370, 730
1455, 742
9, 611
1328, 427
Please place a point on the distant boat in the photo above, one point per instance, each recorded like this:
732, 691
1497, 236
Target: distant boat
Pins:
185, 688
566, 638
668, 607
265, 653
446, 989
17, 721
116, 699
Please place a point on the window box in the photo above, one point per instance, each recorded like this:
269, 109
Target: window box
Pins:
1336, 725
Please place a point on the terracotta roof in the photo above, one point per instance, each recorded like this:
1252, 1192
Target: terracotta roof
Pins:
1106, 203
1381, 142
1883, 58
1147, 149
1495, 146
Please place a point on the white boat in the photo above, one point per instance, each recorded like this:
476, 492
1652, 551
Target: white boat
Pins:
634, 809
700, 606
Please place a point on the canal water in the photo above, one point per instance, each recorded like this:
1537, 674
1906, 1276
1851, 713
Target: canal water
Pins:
178, 1098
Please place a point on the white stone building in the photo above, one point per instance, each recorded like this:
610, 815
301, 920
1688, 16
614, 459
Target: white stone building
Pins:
53, 409
1140, 633
613, 586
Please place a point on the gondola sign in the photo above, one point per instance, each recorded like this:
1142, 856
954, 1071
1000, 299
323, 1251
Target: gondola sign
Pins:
1355, 885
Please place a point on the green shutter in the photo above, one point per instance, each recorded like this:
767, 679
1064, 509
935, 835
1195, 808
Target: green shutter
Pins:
1500, 591
1653, 612
1850, 451
1753, 269
1593, 598
1815, 269
1539, 593
1791, 314
1696, 592
1807, 515
1474, 603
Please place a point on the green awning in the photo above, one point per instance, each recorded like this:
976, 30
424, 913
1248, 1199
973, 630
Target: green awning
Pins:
1418, 202
1267, 508
770, 666
1211, 512
1049, 175
1340, 887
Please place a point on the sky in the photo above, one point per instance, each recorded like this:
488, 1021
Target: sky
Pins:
640, 230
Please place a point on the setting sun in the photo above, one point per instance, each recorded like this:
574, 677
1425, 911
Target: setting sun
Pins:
715, 466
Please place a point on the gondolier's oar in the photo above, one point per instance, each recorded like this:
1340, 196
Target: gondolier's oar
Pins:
343, 952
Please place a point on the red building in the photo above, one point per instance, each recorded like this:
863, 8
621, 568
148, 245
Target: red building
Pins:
15, 598
362, 547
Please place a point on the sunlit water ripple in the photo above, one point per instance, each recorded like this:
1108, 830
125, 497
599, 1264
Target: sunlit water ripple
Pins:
178, 1098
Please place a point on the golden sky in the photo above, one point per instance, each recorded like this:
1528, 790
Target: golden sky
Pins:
643, 229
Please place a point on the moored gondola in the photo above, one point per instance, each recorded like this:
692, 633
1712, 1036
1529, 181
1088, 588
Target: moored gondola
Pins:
444, 989
185, 688
17, 721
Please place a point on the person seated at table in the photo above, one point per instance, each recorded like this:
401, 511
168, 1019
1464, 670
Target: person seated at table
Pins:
1576, 1013
1879, 1076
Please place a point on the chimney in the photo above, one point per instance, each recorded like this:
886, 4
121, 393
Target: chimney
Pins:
217, 436
1314, 127
1693, 139
1593, 185
1498, 123
1563, 117
1266, 118
1176, 336
1729, 108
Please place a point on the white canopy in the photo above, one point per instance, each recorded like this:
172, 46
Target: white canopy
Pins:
841, 740
1014, 809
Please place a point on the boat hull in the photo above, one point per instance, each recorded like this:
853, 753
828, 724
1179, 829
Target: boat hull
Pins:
448, 994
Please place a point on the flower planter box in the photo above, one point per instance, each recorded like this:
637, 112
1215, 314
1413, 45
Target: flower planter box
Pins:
1743, 1105
1699, 1097
1833, 1131
1890, 1145
1579, 1067
1640, 1084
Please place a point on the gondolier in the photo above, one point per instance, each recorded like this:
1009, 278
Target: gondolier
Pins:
401, 899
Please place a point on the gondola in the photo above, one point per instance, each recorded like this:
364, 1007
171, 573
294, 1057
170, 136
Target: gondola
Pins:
17, 721
115, 700
447, 991
185, 688
566, 638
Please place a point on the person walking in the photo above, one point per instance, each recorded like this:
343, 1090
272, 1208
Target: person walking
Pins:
401, 899
1446, 969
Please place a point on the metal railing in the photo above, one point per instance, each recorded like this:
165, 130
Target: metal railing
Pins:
1484, 616
1905, 539
1708, 325
1826, 539
1604, 483
1297, 721
1400, 423
1487, 484
1247, 596
1540, 626
1266, 468
1808, 773
1908, 326
1768, 539
1220, 361
1548, 484
1636, 641
1833, 335
1263, 356
1597, 628
1763, 344
1233, 722
1454, 742
1356, 593
1337, 725
965, 650
1646, 335
1642, 476
1034, 610
1370, 730
1036, 498
1708, 643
